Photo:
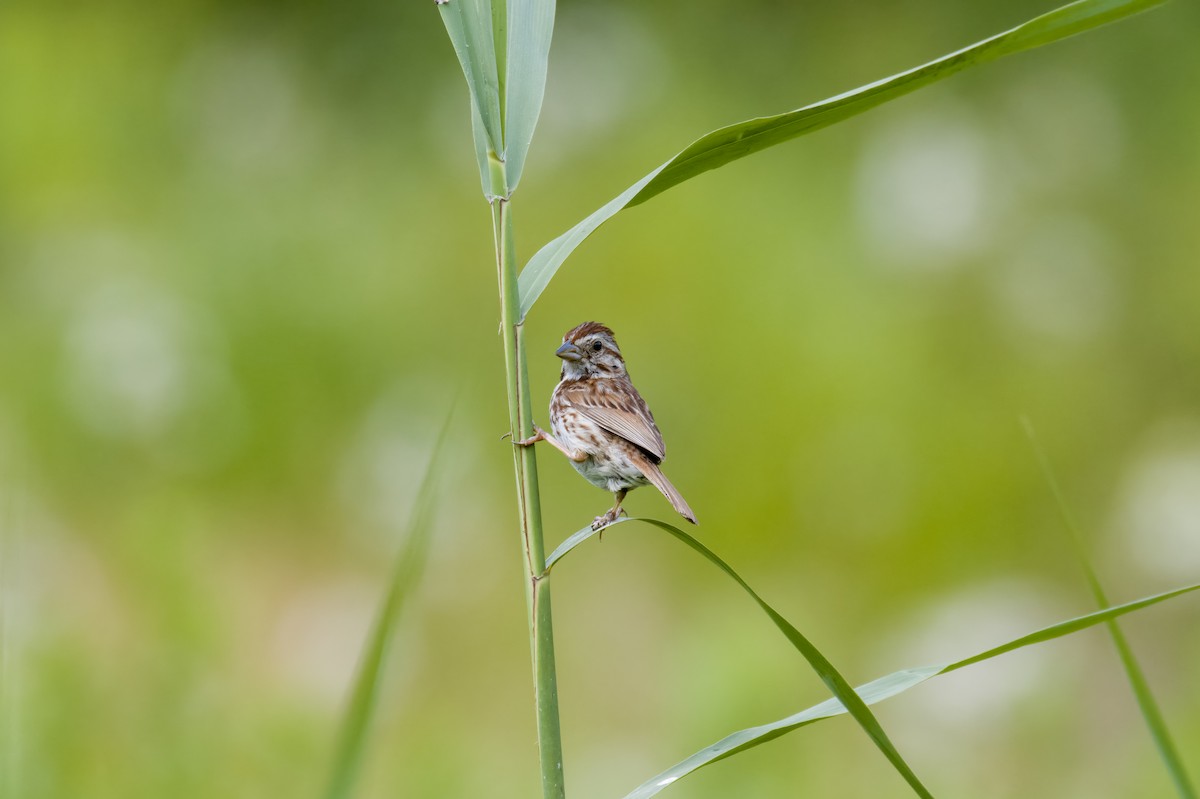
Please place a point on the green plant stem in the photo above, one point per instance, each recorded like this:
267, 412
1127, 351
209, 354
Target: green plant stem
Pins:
1151, 711
537, 584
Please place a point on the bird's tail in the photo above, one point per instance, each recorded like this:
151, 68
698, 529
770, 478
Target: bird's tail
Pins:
660, 481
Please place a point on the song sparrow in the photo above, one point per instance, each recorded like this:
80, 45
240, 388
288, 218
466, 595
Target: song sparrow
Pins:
602, 424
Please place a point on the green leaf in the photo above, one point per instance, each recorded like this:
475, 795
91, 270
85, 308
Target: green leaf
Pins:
409, 565
482, 146
870, 693
469, 23
1069, 626
541, 268
829, 675
878, 690
530, 27
745, 138
1151, 712
504, 50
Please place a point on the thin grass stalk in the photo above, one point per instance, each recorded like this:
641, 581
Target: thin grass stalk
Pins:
537, 584
1149, 706
406, 573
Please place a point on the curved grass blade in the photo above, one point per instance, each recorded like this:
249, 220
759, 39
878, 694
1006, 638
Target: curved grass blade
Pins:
530, 28
469, 24
1070, 626
409, 565
1151, 711
737, 141
545, 263
730, 143
878, 690
573, 541
829, 675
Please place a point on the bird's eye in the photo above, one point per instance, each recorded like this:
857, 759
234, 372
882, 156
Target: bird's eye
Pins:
597, 347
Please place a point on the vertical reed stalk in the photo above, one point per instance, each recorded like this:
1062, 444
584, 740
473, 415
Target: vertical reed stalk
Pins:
537, 583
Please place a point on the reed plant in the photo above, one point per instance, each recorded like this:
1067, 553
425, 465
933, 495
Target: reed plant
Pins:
503, 47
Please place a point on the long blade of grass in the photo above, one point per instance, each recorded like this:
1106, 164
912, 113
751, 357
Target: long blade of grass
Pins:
530, 28
730, 143
878, 690
829, 675
541, 269
1151, 711
409, 565
469, 24
1069, 626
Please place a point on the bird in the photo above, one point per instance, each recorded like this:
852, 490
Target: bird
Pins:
602, 424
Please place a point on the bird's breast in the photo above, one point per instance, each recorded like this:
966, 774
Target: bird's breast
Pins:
576, 431
609, 464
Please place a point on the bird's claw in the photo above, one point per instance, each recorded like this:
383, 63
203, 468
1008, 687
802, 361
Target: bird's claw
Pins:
600, 522
538, 435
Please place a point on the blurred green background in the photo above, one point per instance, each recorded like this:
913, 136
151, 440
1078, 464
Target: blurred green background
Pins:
245, 268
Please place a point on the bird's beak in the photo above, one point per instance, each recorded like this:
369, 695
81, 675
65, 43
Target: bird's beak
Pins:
569, 352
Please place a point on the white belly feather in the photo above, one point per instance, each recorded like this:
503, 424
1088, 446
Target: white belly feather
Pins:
608, 465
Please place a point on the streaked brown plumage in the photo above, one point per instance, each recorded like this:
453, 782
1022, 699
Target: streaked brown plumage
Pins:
600, 421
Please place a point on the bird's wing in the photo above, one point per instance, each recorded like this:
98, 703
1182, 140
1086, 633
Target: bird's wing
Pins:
621, 410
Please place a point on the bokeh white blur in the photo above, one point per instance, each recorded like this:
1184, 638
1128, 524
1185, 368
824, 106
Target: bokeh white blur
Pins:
246, 270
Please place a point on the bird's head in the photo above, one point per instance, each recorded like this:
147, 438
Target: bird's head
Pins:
590, 351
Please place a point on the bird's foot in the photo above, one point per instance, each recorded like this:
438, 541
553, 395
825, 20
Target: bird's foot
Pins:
538, 435
601, 522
